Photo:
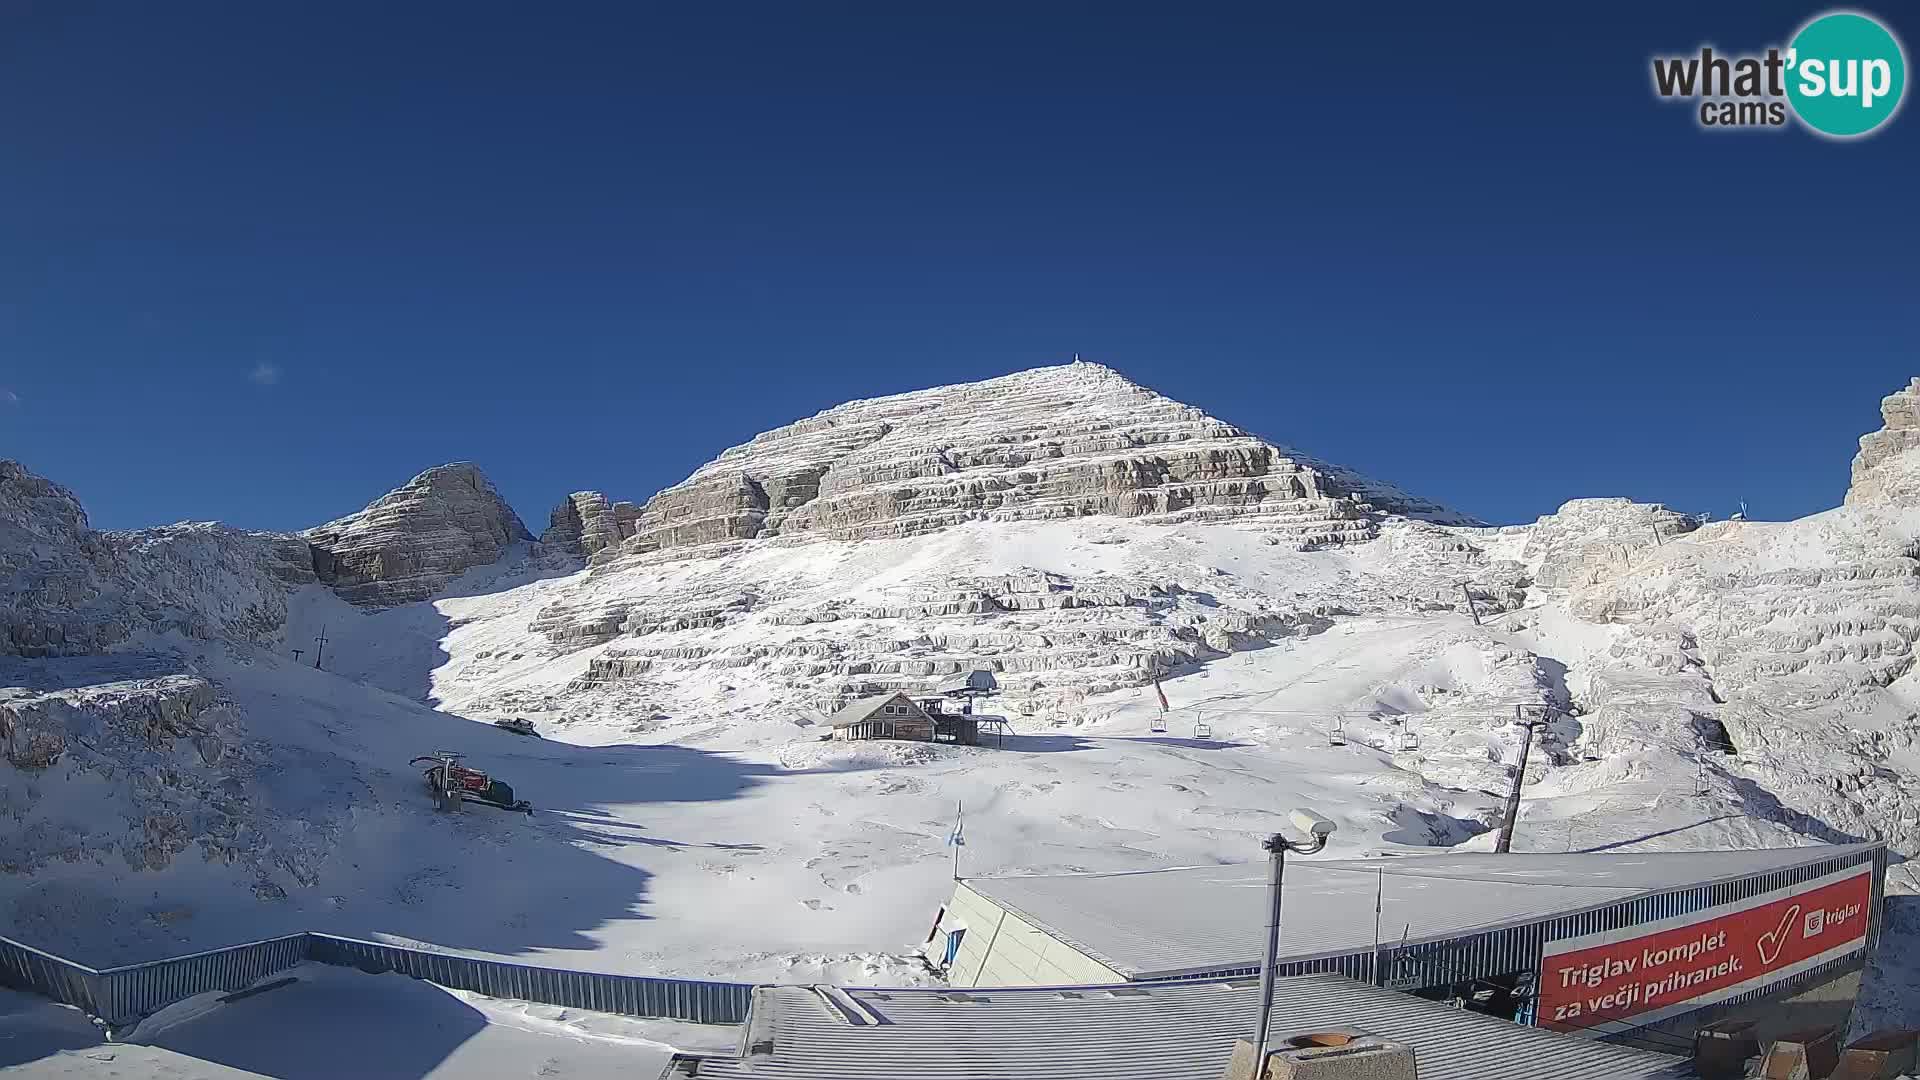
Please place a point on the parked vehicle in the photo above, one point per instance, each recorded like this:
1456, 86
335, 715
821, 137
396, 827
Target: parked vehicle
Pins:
453, 783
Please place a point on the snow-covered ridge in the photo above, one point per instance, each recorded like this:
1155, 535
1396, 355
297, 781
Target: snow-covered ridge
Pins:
1058, 442
71, 590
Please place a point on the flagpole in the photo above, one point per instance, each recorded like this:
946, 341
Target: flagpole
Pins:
959, 838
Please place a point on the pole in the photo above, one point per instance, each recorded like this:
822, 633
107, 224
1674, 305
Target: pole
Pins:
1277, 846
959, 838
1471, 609
1379, 892
322, 650
1505, 843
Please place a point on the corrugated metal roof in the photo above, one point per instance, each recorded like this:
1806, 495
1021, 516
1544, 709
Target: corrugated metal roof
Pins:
1159, 923
1169, 1031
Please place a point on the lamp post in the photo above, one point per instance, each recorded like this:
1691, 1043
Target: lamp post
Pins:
1317, 829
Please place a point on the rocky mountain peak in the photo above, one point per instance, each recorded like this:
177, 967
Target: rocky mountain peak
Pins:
588, 523
32, 505
407, 544
1067, 441
1887, 468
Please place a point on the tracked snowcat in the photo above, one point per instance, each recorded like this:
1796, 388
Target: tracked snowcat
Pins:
453, 783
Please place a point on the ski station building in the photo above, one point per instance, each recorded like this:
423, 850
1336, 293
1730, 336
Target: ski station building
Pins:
883, 716
1630, 946
1179, 1030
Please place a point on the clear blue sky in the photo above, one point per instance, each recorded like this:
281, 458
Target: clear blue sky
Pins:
263, 262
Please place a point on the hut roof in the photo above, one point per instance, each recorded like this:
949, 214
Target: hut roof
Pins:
979, 680
863, 709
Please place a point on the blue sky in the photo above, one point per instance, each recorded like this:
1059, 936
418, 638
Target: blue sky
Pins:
261, 263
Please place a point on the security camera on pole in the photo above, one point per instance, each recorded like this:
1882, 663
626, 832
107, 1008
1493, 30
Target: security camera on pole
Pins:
1317, 829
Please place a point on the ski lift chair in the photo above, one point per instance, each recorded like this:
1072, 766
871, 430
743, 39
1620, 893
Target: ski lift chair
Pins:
1337, 734
1159, 725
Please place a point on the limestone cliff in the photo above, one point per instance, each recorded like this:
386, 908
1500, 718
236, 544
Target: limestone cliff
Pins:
410, 542
1887, 468
587, 524
1061, 442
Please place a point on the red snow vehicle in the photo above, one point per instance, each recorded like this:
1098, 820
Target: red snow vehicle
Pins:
453, 783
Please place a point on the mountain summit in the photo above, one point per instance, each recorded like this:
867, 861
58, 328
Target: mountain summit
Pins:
1074, 440
407, 544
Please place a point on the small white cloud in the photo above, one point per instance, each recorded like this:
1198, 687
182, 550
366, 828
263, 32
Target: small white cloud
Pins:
10, 397
264, 374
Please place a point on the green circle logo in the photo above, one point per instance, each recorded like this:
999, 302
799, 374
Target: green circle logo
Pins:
1845, 74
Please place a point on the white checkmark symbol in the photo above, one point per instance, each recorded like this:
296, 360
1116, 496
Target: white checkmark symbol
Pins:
1776, 937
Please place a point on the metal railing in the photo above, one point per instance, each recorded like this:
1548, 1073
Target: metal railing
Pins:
629, 995
122, 996
24, 967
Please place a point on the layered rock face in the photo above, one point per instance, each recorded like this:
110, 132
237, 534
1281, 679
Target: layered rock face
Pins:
1887, 468
1587, 538
587, 524
1778, 639
1062, 442
410, 542
1058, 610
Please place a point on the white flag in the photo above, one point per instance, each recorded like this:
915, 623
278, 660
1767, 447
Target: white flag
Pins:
958, 837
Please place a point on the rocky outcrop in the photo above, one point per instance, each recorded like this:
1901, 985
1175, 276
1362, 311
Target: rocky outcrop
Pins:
169, 767
407, 544
1062, 442
588, 524
69, 590
56, 574
1887, 468
1586, 539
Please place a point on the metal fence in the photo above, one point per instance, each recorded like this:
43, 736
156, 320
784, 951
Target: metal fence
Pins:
122, 996
630, 995
24, 967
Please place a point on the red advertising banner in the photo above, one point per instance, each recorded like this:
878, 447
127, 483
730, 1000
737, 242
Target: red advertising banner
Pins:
1614, 980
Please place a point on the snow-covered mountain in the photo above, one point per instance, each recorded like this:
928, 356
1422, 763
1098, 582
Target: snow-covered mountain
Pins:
175, 773
1060, 442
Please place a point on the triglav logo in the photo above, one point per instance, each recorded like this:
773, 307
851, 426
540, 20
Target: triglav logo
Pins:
1843, 75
